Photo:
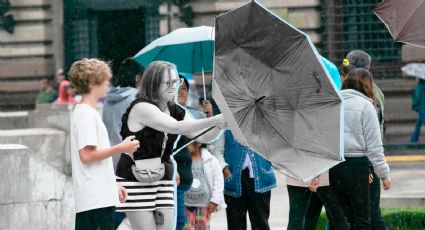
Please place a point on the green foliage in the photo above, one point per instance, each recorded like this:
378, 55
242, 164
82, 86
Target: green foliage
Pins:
394, 218
322, 221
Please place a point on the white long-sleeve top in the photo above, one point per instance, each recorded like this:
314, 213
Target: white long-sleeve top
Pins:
362, 135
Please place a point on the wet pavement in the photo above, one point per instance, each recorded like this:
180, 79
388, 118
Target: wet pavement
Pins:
408, 182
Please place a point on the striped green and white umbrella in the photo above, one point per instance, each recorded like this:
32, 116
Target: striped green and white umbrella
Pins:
190, 49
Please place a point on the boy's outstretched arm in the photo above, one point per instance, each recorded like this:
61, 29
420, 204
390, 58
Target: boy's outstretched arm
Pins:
90, 154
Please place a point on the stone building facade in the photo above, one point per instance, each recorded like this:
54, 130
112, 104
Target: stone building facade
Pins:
51, 34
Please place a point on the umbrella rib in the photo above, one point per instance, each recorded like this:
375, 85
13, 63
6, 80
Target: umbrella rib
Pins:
230, 79
293, 47
283, 138
160, 51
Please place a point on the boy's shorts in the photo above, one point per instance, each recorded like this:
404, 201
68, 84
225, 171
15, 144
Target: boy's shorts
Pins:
101, 218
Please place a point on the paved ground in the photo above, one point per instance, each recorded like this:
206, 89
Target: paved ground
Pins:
278, 208
408, 182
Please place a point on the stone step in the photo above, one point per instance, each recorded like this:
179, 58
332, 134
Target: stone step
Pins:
33, 195
391, 202
399, 133
396, 85
8, 86
399, 117
398, 108
14, 120
47, 143
414, 150
17, 101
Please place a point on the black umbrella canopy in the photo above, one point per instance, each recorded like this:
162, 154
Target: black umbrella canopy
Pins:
275, 93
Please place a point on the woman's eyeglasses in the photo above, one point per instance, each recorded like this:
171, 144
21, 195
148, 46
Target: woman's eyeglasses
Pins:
171, 83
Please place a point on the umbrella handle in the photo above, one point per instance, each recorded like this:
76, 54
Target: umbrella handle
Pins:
259, 99
316, 76
191, 140
203, 84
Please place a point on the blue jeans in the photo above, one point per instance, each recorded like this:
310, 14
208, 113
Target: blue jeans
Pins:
181, 217
419, 122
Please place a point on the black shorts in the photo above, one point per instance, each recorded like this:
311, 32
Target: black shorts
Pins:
100, 218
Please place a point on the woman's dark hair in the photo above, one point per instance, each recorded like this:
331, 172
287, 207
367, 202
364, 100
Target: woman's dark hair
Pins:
345, 69
152, 80
361, 80
126, 76
186, 82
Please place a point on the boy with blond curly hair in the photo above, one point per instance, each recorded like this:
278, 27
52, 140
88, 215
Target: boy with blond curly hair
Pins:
95, 189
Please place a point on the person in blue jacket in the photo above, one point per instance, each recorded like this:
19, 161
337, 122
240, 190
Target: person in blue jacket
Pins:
333, 72
248, 180
418, 105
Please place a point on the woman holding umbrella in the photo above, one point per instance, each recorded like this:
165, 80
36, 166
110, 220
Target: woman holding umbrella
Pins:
156, 121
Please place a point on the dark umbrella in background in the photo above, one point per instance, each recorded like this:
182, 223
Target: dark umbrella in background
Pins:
275, 93
405, 19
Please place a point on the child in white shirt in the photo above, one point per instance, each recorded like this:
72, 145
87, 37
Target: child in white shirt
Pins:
205, 195
95, 189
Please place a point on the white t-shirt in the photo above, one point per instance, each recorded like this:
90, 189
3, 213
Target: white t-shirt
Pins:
94, 184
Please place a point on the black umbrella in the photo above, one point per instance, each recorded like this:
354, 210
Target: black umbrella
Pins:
275, 93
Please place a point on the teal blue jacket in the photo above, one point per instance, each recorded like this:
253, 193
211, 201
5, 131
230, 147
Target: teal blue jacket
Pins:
234, 155
333, 72
418, 99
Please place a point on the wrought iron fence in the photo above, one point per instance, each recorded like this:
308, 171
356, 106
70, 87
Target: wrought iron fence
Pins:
351, 24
